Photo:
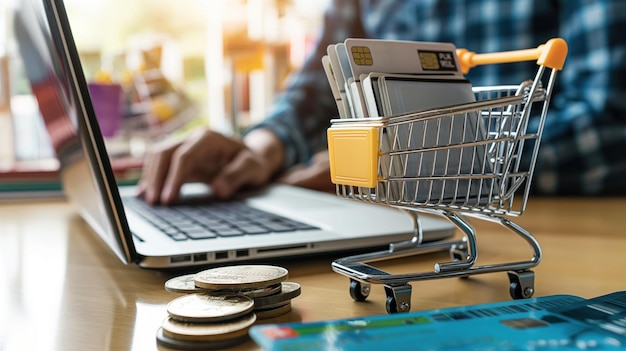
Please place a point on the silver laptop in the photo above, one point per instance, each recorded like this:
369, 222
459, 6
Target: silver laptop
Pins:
290, 221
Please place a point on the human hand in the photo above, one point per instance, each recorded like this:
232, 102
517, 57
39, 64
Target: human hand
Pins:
315, 175
224, 163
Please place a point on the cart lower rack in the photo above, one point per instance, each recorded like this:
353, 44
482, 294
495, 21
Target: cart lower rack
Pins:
473, 160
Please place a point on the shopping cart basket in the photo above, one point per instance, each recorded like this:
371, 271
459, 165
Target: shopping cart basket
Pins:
469, 160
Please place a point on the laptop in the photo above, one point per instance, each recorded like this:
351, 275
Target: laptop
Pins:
305, 221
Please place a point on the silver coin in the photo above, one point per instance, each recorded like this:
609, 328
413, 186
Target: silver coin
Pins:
226, 330
251, 293
182, 284
209, 308
272, 306
174, 344
273, 312
289, 290
240, 277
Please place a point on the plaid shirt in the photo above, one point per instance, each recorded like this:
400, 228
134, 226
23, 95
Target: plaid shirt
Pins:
583, 149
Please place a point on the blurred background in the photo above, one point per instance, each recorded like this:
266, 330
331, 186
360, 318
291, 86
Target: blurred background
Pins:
158, 68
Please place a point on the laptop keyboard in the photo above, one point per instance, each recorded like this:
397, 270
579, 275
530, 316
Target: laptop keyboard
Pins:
213, 220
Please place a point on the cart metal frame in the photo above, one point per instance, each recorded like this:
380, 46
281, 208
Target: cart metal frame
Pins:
473, 168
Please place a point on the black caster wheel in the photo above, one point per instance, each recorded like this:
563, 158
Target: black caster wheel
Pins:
522, 285
391, 305
359, 291
517, 293
398, 298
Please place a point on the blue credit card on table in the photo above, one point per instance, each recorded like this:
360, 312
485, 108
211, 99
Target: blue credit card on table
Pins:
557, 322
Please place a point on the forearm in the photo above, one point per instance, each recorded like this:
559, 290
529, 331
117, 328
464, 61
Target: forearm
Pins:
301, 114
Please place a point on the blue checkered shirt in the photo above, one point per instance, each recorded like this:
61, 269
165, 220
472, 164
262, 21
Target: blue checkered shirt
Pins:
583, 150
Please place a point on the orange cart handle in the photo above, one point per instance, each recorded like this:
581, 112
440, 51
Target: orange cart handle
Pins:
551, 54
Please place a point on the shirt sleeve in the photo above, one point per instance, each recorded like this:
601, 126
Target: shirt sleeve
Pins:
584, 138
302, 112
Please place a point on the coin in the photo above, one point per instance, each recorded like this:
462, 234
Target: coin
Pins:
273, 312
185, 284
289, 290
209, 308
182, 284
240, 277
273, 306
251, 293
174, 344
217, 331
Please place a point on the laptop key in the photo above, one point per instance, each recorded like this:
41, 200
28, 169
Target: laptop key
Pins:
179, 237
171, 231
229, 232
277, 226
190, 227
208, 222
201, 234
253, 229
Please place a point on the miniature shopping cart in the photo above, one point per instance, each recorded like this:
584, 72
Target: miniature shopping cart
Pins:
473, 160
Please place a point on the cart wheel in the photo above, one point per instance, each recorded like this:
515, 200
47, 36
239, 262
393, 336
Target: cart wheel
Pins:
522, 284
391, 305
359, 291
398, 298
515, 289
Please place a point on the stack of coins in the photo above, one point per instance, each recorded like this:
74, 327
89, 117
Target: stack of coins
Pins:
222, 303
202, 321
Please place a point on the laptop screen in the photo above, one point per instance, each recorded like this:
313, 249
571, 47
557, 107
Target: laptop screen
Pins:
57, 81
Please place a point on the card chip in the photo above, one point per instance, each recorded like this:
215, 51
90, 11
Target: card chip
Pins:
437, 60
429, 60
362, 56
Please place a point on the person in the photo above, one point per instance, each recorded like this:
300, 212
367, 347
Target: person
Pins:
584, 136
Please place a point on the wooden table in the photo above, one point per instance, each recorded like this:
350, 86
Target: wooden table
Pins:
62, 289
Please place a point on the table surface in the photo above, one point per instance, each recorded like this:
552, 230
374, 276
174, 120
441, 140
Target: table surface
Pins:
62, 289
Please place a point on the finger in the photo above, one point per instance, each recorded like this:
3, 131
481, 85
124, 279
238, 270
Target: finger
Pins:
141, 188
198, 159
243, 169
142, 183
154, 174
180, 170
147, 171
